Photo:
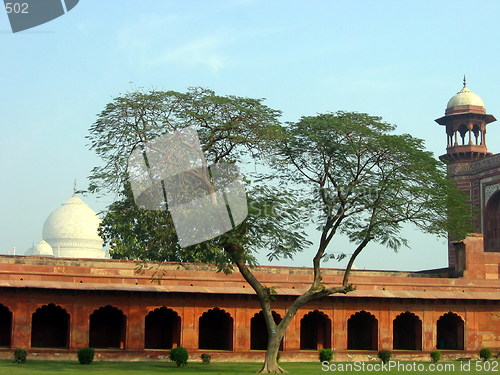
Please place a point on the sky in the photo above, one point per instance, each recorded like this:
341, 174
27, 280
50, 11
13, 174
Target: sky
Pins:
399, 60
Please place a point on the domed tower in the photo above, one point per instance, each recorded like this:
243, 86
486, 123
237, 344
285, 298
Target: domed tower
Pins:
476, 173
465, 120
71, 231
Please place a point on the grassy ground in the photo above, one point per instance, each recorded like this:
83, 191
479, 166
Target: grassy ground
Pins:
135, 368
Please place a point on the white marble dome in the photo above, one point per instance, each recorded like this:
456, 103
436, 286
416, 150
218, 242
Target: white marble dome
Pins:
465, 97
71, 231
42, 248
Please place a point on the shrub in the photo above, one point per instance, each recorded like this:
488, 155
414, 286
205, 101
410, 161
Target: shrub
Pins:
435, 355
179, 355
86, 356
485, 354
385, 355
20, 355
325, 355
206, 358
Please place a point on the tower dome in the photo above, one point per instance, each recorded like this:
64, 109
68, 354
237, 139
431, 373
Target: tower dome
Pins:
465, 101
71, 230
465, 120
465, 97
42, 248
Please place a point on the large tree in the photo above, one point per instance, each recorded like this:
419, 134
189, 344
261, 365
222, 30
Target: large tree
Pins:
347, 171
361, 180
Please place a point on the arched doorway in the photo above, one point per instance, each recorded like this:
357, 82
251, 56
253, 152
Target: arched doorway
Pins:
492, 223
107, 328
362, 331
450, 332
407, 332
215, 330
5, 326
315, 331
162, 329
50, 327
258, 331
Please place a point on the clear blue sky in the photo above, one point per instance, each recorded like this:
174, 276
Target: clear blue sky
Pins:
401, 60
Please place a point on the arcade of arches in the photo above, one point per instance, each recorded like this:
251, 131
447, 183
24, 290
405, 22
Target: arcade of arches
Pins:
50, 328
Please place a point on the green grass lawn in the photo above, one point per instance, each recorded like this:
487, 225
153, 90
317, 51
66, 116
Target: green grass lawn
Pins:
32, 367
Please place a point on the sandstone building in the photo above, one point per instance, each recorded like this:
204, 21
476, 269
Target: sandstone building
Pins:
53, 306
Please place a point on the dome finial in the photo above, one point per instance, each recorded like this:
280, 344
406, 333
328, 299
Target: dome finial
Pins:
465, 82
74, 187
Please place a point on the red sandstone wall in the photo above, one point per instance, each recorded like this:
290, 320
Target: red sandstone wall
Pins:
78, 286
489, 327
481, 318
85, 274
478, 263
473, 177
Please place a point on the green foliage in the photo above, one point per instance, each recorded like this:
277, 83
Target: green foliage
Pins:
179, 355
435, 355
485, 354
385, 355
86, 355
274, 223
364, 181
139, 234
231, 129
206, 358
227, 127
325, 355
20, 355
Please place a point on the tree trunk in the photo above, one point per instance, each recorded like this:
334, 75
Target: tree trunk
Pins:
276, 332
271, 365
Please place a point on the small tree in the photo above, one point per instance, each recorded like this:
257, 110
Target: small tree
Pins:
86, 356
385, 355
20, 355
485, 354
179, 355
435, 355
325, 355
206, 358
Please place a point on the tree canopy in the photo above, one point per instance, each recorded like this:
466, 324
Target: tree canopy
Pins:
228, 126
365, 181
